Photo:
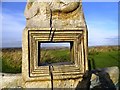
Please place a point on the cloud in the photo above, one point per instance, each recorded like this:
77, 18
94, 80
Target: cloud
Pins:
100, 29
12, 27
55, 44
101, 36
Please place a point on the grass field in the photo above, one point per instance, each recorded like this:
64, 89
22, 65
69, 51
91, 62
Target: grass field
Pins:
11, 60
104, 59
100, 57
55, 56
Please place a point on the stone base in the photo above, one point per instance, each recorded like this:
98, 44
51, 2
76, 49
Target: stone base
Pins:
72, 83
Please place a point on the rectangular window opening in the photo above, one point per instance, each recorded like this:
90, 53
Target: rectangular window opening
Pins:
54, 53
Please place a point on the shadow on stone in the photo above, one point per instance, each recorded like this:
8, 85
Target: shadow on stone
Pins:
96, 79
85, 83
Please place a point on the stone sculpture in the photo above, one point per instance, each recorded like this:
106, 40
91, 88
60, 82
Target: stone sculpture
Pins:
67, 14
54, 21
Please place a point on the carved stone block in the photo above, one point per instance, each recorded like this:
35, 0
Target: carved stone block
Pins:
54, 22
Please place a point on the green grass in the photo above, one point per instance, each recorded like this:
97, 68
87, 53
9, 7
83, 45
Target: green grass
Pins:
11, 60
55, 56
100, 57
9, 66
104, 59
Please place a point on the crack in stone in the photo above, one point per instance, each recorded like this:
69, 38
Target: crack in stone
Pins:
51, 75
50, 23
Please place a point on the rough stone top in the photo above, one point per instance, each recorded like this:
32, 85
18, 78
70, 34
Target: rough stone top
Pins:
54, 14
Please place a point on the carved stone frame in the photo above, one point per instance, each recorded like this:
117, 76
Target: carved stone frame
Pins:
30, 66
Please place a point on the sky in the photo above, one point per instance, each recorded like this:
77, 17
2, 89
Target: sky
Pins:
101, 19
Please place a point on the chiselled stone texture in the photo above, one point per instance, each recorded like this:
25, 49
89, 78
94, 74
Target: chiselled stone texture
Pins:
32, 72
57, 21
56, 14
